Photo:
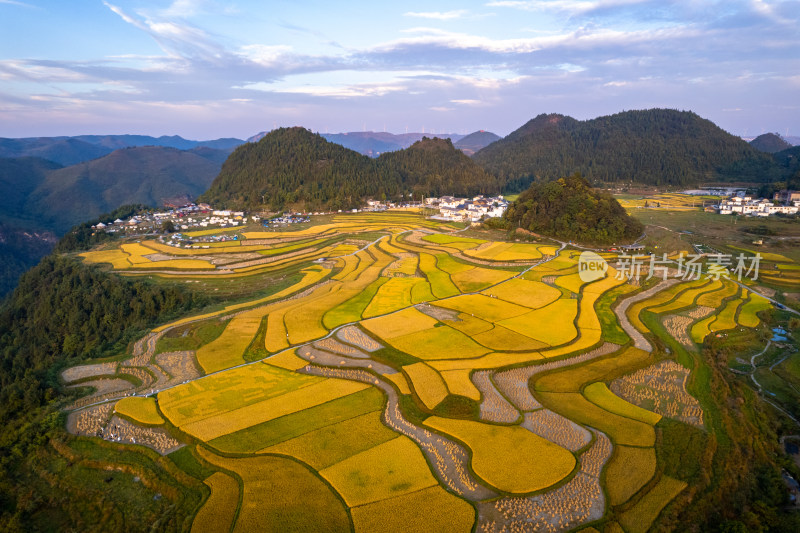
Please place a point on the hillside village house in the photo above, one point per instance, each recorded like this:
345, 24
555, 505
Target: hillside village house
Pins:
761, 207
468, 210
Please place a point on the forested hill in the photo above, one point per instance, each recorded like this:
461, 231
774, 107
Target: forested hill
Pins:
770, 142
293, 166
569, 209
434, 167
656, 146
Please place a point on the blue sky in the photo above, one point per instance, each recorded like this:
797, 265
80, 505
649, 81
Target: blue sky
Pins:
206, 69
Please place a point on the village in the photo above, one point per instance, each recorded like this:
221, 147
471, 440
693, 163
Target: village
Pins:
783, 203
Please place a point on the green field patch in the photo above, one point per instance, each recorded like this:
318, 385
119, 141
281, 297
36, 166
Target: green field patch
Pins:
393, 295
282, 495
599, 394
439, 343
641, 516
686, 298
352, 309
260, 436
532, 294
328, 445
748, 314
701, 329
628, 470
726, 319
387, 470
510, 458
553, 324
441, 284
451, 265
421, 292
461, 243
484, 307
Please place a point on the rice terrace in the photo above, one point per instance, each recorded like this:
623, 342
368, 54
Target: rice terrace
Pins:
388, 372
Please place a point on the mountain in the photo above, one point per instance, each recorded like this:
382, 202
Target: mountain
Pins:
293, 166
656, 147
19, 177
770, 142
71, 150
62, 150
373, 143
569, 209
434, 167
476, 141
132, 175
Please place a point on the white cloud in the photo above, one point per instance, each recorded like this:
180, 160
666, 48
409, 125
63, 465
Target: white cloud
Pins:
438, 15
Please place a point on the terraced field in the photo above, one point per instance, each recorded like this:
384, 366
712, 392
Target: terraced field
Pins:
423, 381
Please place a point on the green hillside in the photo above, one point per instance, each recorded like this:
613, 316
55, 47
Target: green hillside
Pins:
770, 142
569, 209
656, 147
292, 166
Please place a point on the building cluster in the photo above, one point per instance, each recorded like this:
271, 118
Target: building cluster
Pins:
187, 217
468, 210
783, 203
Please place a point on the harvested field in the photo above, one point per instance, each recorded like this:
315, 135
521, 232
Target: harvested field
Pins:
180, 365
661, 388
89, 371
105, 389
332, 345
494, 408
91, 420
356, 337
510, 458
514, 383
599, 394
219, 511
557, 429
120, 430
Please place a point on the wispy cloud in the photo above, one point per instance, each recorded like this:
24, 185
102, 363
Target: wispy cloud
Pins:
438, 15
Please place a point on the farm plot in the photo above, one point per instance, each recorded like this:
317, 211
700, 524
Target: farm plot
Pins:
401, 323
557, 429
599, 394
531, 294
384, 471
258, 437
219, 511
441, 284
509, 458
479, 278
227, 350
640, 517
120, 430
393, 295
140, 409
628, 471
493, 408
427, 383
661, 388
748, 313
423, 511
553, 324
281, 495
90, 421
484, 307
441, 342
458, 382
323, 447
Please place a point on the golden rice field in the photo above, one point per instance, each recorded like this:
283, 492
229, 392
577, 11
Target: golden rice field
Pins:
393, 420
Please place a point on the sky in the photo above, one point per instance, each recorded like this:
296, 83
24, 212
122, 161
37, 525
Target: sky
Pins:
205, 69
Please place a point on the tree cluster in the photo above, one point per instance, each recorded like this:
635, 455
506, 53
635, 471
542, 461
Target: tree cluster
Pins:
569, 209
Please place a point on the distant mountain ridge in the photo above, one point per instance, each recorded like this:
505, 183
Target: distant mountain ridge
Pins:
656, 147
76, 149
476, 141
373, 143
